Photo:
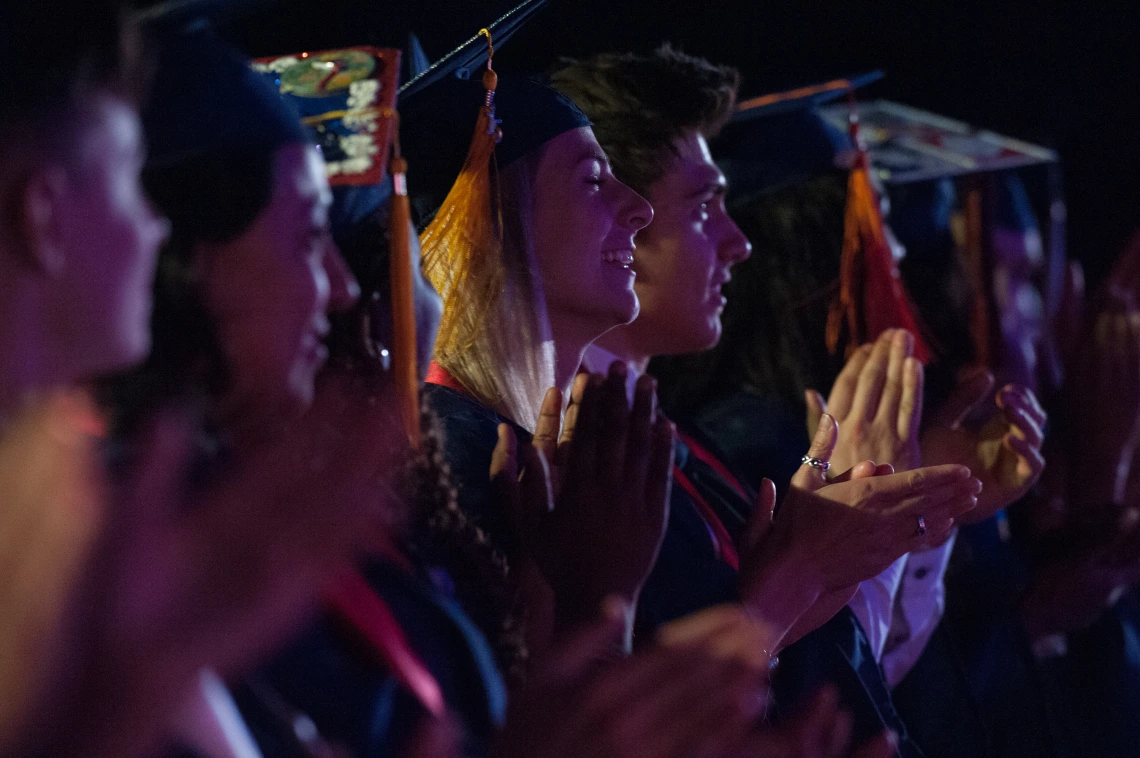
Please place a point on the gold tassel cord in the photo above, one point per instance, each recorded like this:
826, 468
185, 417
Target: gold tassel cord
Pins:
462, 247
403, 299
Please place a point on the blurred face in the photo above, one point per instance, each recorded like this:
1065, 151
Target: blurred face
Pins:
105, 242
1018, 258
584, 223
271, 289
685, 256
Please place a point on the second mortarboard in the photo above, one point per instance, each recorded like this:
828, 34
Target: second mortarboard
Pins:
205, 99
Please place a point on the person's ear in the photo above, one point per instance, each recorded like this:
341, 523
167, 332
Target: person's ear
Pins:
42, 200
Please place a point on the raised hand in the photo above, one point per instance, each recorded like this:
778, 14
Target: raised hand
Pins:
593, 524
830, 535
877, 402
1004, 453
698, 691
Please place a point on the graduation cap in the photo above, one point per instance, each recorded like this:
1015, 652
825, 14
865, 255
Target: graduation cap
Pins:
911, 145
781, 139
438, 108
346, 99
205, 99
459, 170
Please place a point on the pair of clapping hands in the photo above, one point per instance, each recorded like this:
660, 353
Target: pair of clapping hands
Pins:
701, 689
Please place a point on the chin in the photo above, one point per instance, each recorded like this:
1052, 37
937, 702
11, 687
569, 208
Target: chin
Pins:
626, 309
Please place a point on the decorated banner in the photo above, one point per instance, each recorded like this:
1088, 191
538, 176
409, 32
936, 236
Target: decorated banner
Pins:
347, 99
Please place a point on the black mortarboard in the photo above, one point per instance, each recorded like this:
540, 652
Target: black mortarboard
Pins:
438, 110
205, 98
779, 139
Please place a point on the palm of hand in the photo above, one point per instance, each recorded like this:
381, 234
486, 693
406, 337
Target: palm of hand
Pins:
1004, 475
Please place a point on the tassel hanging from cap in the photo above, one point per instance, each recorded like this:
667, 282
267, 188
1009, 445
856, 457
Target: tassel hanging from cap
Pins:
462, 247
404, 362
871, 298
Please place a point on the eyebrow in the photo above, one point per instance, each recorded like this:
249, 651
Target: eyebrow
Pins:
595, 155
713, 186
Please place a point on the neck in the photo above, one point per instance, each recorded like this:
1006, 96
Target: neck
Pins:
620, 342
30, 360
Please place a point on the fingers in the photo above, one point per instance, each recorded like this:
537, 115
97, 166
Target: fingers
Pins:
843, 392
822, 446
548, 427
816, 407
505, 476
533, 497
641, 423
570, 421
869, 390
910, 403
613, 425
1022, 411
582, 452
760, 522
901, 346
861, 470
1030, 462
504, 460
658, 480
972, 390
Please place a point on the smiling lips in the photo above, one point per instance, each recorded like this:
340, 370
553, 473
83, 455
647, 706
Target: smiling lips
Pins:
620, 257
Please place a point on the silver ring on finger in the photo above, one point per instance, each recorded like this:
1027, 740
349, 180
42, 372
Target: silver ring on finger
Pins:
921, 530
816, 463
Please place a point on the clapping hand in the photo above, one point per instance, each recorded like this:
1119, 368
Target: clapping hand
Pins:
877, 402
594, 520
698, 690
1004, 453
829, 535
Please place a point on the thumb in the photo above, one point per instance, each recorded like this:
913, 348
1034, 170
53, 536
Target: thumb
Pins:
760, 523
570, 658
971, 392
816, 407
809, 477
505, 470
533, 501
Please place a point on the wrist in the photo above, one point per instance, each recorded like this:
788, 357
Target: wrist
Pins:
780, 588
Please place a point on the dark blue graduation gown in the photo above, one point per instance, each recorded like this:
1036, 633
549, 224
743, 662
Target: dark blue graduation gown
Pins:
333, 678
688, 575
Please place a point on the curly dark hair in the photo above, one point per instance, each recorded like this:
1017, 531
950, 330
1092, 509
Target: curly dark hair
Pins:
640, 104
439, 533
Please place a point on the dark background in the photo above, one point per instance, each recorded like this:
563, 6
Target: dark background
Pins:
1059, 73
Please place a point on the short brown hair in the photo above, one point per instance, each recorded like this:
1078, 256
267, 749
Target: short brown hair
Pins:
640, 104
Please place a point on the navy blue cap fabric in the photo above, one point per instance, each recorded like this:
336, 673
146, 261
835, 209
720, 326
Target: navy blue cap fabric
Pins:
206, 100
781, 139
437, 126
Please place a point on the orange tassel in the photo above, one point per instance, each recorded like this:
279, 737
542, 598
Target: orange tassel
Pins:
871, 298
462, 247
403, 302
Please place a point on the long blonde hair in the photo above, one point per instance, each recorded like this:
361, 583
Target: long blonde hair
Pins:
494, 336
